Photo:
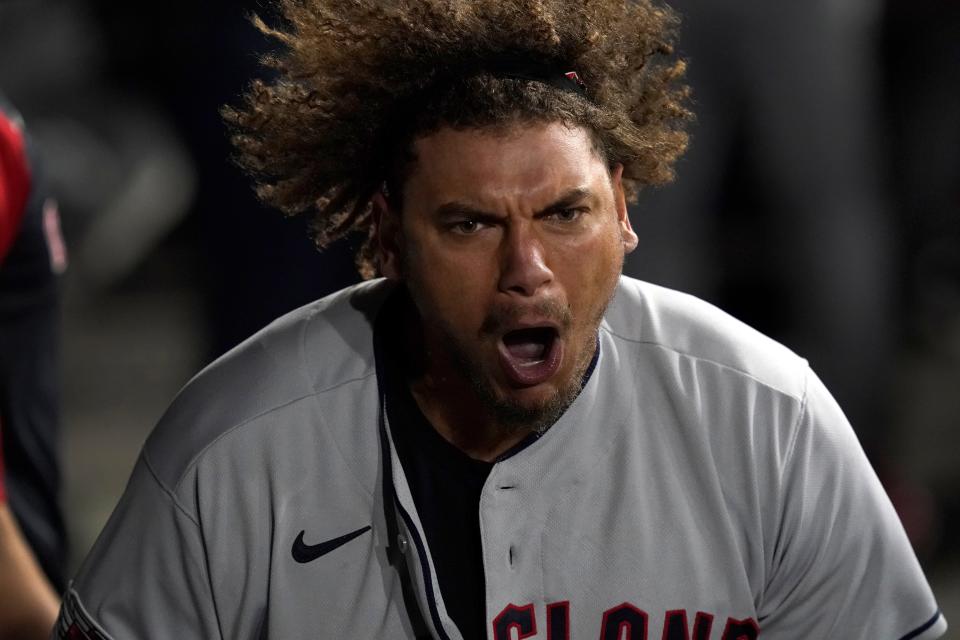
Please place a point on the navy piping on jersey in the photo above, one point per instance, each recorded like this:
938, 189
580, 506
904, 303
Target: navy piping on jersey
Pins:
425, 569
413, 610
394, 556
926, 625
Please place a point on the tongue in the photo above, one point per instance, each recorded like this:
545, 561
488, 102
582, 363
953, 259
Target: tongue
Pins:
527, 350
529, 357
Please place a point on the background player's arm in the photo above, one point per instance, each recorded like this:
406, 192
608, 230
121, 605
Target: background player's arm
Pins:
28, 605
840, 564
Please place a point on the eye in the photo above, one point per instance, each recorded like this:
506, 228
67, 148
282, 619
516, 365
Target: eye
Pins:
567, 215
466, 227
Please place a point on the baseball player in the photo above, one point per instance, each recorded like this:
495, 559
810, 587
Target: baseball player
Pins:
32, 259
28, 602
502, 437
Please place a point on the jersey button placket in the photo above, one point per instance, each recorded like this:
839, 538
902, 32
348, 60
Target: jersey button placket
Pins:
500, 507
507, 493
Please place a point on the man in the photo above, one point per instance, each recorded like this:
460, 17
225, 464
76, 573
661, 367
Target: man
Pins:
29, 544
32, 259
503, 438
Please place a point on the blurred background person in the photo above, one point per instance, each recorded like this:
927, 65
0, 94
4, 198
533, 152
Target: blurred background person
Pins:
32, 536
126, 181
779, 214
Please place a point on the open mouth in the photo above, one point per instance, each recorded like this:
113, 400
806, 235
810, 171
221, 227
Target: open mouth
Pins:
530, 346
532, 355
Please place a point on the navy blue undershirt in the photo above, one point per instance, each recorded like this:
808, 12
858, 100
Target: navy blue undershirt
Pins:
445, 482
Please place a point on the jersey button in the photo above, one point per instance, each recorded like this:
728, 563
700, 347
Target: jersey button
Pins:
402, 543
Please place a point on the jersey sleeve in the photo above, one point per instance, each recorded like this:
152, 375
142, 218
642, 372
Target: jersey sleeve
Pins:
14, 181
146, 575
842, 566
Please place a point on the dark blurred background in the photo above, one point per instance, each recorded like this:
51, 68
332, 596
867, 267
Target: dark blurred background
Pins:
820, 202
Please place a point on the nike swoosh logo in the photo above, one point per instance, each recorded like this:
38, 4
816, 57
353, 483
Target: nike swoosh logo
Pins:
304, 553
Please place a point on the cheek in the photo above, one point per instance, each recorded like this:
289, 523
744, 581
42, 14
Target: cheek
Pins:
445, 290
469, 269
597, 260
591, 274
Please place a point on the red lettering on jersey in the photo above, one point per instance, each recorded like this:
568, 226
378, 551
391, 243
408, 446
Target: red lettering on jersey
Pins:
702, 625
675, 625
624, 618
741, 630
623, 622
523, 619
558, 620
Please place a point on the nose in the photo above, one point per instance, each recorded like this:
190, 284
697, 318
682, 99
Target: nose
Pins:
524, 269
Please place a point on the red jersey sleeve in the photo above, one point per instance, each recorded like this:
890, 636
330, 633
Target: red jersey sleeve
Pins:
14, 181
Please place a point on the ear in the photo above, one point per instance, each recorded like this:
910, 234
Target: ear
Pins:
627, 235
388, 236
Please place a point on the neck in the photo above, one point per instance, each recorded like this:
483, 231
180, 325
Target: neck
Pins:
448, 400
468, 429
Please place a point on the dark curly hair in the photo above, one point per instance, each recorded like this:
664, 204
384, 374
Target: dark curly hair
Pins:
358, 80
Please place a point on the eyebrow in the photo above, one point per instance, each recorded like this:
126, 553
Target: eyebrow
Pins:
456, 209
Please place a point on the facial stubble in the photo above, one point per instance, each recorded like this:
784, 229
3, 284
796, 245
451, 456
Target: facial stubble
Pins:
509, 414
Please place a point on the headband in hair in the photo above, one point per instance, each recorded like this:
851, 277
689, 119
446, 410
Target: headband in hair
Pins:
518, 69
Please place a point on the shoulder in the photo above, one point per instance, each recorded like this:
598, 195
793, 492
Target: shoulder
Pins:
313, 350
14, 176
682, 327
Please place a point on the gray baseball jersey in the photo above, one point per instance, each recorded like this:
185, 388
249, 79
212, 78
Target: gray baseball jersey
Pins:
703, 486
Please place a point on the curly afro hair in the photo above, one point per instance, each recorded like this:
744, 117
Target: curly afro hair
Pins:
358, 80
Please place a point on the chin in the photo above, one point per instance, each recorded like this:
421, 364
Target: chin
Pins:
529, 409
514, 407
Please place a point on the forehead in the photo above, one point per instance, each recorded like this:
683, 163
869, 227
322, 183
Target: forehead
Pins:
526, 160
